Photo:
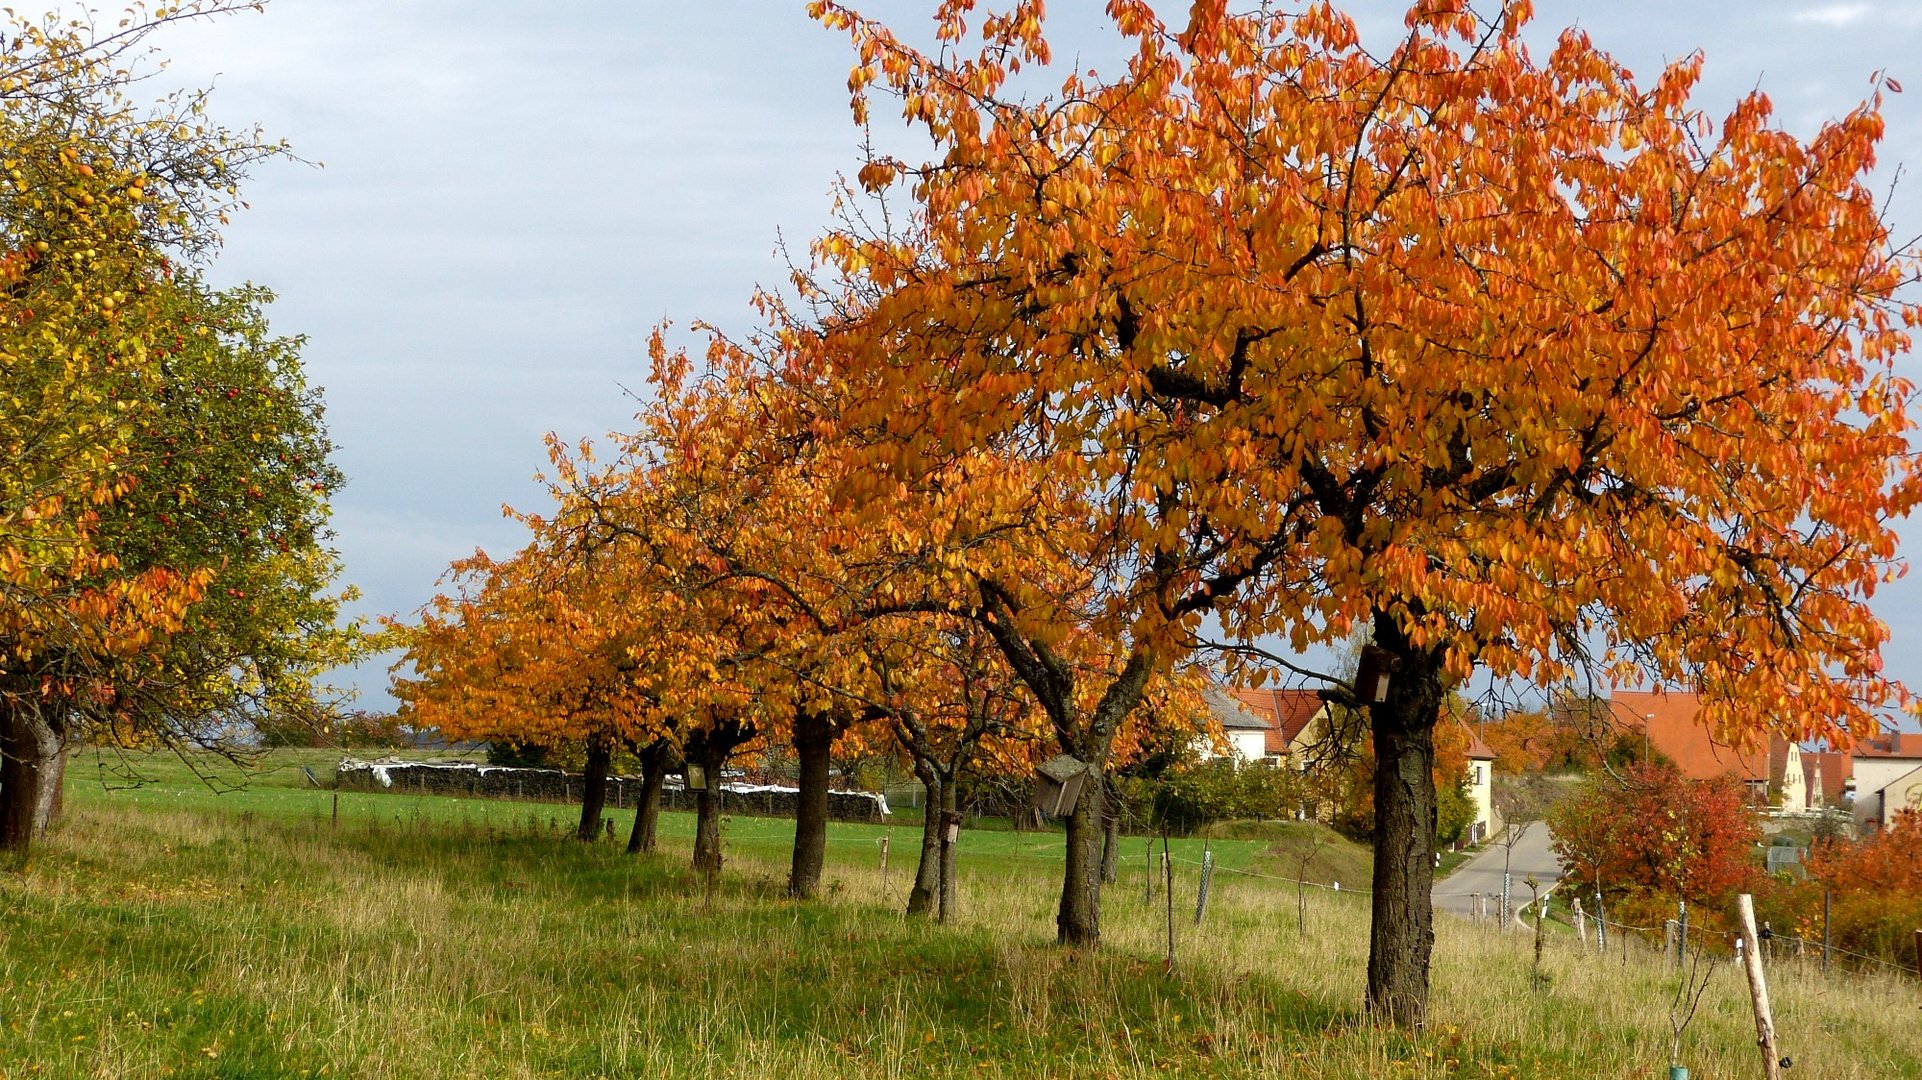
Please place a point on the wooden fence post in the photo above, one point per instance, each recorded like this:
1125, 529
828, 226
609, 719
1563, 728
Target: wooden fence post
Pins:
1826, 896
1581, 923
1168, 886
1758, 987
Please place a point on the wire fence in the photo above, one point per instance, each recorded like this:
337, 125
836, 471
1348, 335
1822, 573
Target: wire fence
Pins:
1674, 935
1608, 933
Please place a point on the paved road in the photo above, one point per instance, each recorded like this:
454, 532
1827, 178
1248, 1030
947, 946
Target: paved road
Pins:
1483, 873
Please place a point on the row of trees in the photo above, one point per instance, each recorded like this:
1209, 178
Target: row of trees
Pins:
1510, 364
164, 470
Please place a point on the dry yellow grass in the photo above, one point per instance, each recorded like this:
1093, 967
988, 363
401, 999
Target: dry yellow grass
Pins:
149, 941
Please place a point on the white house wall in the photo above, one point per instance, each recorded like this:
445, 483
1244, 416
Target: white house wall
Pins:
1871, 776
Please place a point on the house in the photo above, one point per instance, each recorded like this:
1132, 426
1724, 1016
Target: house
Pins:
1666, 721
1293, 720
1294, 724
1887, 776
1481, 787
1789, 773
1245, 732
1829, 786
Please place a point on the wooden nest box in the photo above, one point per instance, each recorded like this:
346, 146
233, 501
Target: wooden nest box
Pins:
1057, 785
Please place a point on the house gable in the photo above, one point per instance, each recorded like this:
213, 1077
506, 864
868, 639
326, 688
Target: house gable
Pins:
1902, 793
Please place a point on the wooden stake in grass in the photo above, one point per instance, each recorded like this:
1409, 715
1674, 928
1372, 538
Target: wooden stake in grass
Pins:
1207, 879
1168, 888
1758, 986
1826, 896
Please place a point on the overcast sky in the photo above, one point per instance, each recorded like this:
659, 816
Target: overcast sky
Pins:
512, 194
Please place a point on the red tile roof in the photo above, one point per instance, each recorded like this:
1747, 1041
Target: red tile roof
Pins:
1285, 711
1896, 744
1668, 718
1477, 749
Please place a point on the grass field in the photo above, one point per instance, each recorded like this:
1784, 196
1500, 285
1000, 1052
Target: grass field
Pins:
170, 931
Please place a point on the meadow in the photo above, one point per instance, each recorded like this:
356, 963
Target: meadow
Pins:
169, 930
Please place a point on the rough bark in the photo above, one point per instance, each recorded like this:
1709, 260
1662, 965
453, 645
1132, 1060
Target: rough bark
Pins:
1111, 837
950, 816
1078, 920
29, 759
57, 806
1402, 934
593, 789
813, 740
707, 830
710, 749
922, 899
655, 761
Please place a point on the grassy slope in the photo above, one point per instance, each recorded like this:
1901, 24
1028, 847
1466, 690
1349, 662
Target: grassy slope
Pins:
168, 931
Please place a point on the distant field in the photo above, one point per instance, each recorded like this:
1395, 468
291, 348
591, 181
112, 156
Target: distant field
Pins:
170, 931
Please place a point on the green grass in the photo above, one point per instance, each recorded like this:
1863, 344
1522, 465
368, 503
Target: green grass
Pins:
169, 931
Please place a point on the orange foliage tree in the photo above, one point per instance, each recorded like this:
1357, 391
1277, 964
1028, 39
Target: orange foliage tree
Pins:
524, 652
1863, 895
1513, 362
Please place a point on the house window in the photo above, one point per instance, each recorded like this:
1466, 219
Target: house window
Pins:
1478, 775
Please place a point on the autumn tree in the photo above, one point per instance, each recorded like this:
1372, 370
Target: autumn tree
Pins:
954, 710
1864, 894
714, 501
1654, 837
1513, 362
105, 623
523, 651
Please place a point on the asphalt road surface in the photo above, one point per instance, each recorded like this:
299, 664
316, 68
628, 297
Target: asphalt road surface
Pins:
1483, 873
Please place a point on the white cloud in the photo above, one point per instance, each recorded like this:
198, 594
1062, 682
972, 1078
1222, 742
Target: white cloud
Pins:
1834, 14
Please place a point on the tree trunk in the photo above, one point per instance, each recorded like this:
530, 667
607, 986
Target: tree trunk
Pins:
647, 809
1402, 934
58, 785
950, 831
707, 829
1111, 837
29, 761
923, 898
1078, 922
710, 749
593, 789
813, 740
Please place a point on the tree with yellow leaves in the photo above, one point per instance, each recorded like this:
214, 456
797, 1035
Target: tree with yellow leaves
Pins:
112, 621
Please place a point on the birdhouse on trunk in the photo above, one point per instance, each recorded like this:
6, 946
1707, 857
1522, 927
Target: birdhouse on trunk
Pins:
1371, 675
1057, 785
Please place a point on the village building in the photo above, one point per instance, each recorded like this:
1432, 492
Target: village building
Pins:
1293, 725
1668, 724
1886, 775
